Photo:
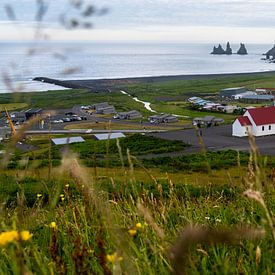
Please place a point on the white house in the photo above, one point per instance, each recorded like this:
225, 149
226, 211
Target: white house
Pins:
257, 121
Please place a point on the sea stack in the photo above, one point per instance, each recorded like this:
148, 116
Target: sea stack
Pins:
218, 50
228, 49
271, 53
242, 50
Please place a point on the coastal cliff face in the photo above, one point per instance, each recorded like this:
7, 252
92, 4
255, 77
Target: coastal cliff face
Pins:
218, 50
242, 50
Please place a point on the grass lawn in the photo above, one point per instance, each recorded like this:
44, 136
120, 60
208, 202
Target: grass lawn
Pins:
13, 106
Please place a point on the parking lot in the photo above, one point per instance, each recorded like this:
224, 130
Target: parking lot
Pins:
219, 138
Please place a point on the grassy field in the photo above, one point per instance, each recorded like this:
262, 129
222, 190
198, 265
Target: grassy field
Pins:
13, 106
138, 220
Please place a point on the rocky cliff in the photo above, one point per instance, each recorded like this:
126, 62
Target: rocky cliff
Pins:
242, 50
228, 49
218, 50
271, 53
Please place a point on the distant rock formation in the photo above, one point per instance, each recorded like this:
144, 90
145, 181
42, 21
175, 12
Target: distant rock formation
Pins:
271, 53
242, 50
218, 50
228, 49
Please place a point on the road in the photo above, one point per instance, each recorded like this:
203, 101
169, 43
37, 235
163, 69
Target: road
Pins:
87, 131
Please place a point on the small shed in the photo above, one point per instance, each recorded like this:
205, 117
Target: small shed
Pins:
99, 105
109, 136
68, 140
129, 115
106, 110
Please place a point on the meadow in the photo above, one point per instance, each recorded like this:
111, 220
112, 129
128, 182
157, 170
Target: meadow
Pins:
209, 213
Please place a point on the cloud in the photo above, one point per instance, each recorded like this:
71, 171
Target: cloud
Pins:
140, 16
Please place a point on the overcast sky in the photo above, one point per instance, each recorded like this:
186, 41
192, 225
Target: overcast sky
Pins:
158, 20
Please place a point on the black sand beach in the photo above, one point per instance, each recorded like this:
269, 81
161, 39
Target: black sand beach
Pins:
99, 85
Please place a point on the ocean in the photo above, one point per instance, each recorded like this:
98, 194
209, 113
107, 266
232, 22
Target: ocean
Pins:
21, 62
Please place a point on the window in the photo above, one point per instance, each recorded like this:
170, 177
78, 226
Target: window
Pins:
269, 127
262, 128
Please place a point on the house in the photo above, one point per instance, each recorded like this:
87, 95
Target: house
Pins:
33, 113
229, 92
207, 120
257, 121
129, 115
99, 105
106, 110
163, 118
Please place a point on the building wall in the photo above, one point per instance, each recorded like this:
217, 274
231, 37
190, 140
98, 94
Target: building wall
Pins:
238, 130
261, 130
265, 130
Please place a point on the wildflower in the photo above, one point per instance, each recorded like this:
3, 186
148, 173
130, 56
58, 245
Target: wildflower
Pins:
112, 258
62, 199
139, 225
67, 185
53, 225
39, 196
12, 236
62, 196
207, 218
218, 220
25, 235
132, 232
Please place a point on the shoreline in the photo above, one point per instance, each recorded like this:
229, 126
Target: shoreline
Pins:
110, 84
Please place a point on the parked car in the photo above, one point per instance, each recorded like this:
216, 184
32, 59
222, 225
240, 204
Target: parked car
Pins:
66, 119
57, 121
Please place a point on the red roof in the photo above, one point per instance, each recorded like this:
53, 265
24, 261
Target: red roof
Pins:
244, 120
262, 116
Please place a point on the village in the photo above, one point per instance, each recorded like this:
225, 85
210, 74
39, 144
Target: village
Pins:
237, 101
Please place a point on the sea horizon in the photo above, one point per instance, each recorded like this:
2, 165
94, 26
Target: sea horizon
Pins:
21, 62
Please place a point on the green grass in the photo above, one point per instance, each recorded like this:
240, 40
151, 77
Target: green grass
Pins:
96, 213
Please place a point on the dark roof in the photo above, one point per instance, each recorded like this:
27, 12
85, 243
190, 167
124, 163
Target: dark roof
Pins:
262, 116
259, 97
244, 121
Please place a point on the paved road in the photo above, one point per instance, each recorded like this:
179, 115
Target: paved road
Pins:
219, 138
86, 131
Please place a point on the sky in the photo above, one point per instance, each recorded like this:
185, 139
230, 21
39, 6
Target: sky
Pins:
215, 21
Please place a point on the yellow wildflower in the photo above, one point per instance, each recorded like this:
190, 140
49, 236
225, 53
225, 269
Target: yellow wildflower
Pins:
62, 196
112, 258
139, 225
39, 196
12, 236
132, 232
25, 235
67, 185
53, 225
62, 199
